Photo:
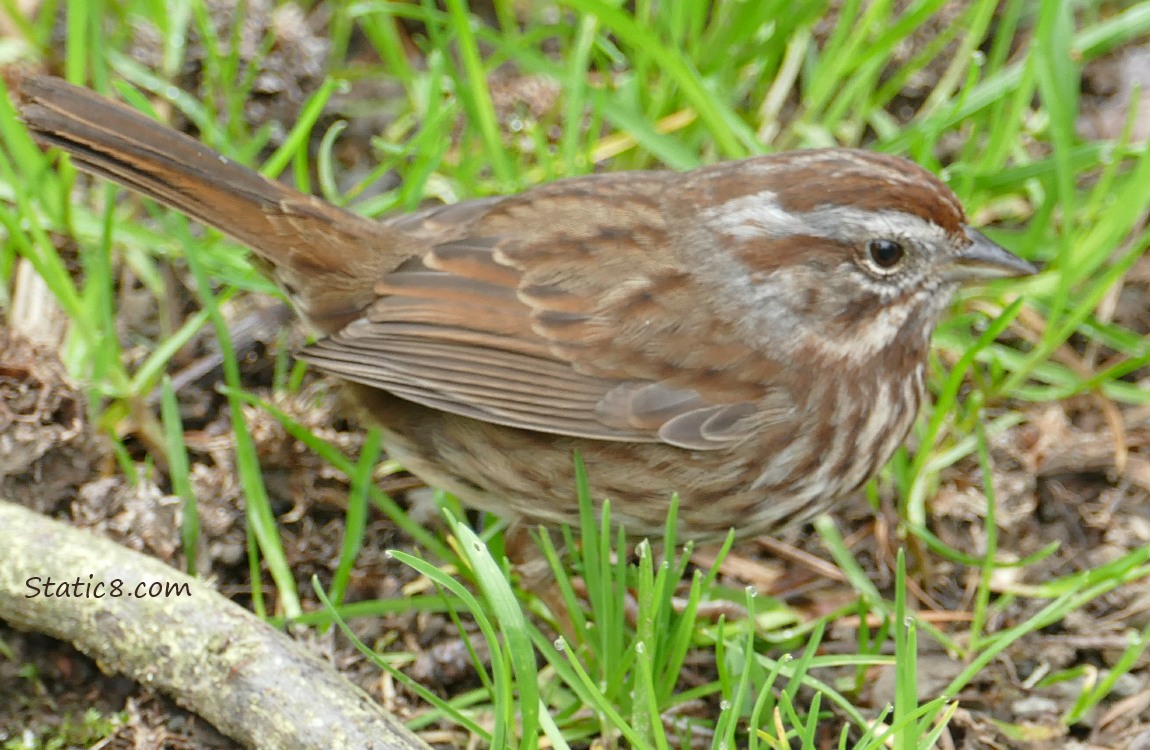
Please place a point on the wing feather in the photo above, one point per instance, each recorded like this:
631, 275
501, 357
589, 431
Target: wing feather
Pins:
487, 327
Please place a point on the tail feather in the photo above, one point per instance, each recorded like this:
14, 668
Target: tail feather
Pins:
326, 258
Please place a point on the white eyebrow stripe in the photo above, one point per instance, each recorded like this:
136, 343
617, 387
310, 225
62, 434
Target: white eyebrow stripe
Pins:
754, 215
761, 215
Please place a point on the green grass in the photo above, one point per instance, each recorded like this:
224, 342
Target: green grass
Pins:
656, 84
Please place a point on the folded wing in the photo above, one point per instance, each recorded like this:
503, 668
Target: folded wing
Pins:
502, 327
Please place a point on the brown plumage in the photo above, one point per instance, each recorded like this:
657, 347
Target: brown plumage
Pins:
752, 335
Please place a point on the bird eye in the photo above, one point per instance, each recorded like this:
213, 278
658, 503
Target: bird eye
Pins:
885, 254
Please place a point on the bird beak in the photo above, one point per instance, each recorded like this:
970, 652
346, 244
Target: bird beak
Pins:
983, 259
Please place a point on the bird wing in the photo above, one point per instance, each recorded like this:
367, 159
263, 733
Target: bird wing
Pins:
555, 323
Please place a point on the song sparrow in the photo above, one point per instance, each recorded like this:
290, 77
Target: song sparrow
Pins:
752, 335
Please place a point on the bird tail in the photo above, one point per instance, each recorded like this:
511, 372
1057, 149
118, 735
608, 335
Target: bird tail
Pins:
326, 258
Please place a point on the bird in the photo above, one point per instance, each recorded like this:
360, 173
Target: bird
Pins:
751, 336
